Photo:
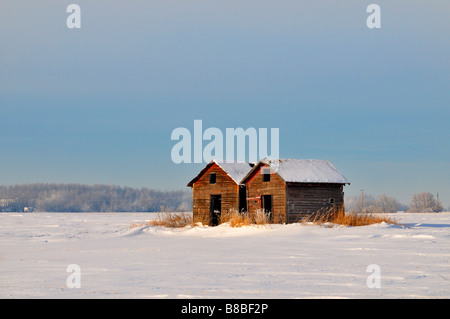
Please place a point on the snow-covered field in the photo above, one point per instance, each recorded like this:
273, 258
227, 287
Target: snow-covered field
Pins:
278, 261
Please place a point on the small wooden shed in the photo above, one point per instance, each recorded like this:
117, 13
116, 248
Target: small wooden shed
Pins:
290, 189
216, 189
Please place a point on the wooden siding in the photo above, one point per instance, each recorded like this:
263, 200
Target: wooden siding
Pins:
304, 199
202, 191
276, 187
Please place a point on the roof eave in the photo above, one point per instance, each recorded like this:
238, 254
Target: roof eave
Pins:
196, 178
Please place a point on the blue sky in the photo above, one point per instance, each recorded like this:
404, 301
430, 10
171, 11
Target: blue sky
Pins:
98, 104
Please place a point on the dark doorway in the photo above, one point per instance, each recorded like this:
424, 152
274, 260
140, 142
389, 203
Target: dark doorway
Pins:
215, 209
266, 205
242, 198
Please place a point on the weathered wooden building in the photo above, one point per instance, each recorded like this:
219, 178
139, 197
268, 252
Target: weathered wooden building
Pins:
286, 189
216, 189
289, 189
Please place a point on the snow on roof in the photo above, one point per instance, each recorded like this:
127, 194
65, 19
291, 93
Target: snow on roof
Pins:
237, 171
306, 171
290, 170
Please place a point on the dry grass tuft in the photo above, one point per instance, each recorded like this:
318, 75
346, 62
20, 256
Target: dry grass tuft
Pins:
172, 220
261, 217
235, 219
340, 217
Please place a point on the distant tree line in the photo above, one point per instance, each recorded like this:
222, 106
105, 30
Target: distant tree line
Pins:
111, 198
381, 204
85, 198
425, 202
420, 203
